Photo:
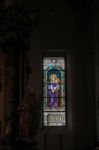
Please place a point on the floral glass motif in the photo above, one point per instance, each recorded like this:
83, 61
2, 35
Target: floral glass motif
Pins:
54, 91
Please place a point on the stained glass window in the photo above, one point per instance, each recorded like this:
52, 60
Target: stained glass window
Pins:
54, 107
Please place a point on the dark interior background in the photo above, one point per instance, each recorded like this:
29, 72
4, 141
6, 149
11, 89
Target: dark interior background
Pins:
72, 27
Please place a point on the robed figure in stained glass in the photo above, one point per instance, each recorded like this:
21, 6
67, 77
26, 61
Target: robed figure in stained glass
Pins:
53, 91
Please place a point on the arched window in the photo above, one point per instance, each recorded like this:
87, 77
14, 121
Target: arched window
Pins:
54, 91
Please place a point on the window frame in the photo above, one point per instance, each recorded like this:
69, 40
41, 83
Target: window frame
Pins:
64, 97
68, 95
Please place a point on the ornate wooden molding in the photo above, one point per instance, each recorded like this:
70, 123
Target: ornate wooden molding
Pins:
18, 20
